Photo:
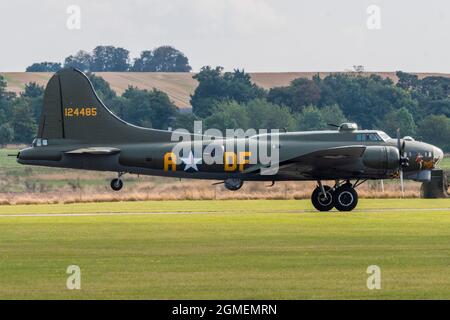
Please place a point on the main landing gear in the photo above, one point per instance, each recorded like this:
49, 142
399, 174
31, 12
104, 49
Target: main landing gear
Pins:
341, 196
117, 184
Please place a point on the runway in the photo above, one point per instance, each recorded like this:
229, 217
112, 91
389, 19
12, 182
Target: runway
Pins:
94, 214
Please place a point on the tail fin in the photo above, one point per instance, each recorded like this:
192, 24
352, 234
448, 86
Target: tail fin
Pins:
72, 110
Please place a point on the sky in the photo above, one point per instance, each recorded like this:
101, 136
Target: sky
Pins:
257, 35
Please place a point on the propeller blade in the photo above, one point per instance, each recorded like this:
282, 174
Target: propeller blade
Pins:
402, 186
401, 146
403, 160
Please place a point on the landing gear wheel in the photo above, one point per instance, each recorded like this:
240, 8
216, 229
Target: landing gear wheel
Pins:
233, 184
323, 202
345, 198
116, 184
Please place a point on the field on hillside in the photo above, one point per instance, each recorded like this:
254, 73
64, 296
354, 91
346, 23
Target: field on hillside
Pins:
177, 85
225, 250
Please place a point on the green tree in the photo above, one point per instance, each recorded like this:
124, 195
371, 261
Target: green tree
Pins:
118, 105
214, 86
332, 115
184, 120
6, 99
102, 88
228, 115
44, 67
310, 119
438, 106
432, 94
82, 60
110, 58
304, 92
435, 129
265, 115
399, 119
435, 87
148, 108
34, 96
145, 62
6, 134
365, 99
138, 110
299, 94
23, 122
33, 90
3, 86
281, 96
407, 81
162, 59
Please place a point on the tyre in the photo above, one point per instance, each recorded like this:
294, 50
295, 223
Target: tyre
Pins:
345, 198
233, 184
116, 184
320, 202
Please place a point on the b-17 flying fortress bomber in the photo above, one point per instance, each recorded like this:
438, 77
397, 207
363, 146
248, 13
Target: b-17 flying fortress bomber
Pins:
77, 130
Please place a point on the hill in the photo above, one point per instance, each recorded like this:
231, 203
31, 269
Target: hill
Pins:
177, 85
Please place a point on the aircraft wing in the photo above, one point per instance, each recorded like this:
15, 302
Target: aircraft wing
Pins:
331, 162
331, 156
328, 161
94, 150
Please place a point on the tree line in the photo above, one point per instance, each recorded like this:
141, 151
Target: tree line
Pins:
419, 107
110, 58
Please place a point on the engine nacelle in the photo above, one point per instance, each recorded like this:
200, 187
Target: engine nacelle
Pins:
381, 157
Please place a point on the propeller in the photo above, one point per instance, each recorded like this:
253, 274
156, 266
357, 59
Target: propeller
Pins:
404, 160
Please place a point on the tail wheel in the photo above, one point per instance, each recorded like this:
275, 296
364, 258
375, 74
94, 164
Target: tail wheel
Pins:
345, 198
116, 184
323, 202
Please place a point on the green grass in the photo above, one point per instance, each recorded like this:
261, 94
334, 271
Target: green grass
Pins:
445, 164
7, 162
239, 249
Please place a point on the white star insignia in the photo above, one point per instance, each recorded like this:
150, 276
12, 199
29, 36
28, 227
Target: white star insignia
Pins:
191, 162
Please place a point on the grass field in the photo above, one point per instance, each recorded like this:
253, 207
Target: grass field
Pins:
226, 249
445, 164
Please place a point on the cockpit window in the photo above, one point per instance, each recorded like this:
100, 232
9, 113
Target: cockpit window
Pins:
384, 136
368, 136
372, 136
